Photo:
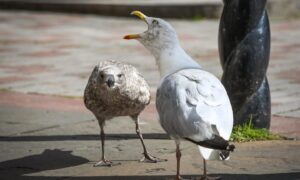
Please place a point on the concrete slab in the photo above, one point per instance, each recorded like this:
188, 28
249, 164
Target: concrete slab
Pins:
46, 132
65, 145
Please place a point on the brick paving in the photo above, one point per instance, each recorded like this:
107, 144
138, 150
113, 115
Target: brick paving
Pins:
54, 53
45, 60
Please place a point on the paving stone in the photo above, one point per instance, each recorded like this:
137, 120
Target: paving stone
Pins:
57, 144
45, 61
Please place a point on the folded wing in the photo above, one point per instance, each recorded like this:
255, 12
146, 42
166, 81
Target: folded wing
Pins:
193, 104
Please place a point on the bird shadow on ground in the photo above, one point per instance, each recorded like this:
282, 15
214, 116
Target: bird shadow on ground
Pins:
21, 168
279, 176
84, 137
47, 160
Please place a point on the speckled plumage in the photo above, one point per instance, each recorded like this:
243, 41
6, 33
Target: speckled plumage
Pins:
128, 99
117, 89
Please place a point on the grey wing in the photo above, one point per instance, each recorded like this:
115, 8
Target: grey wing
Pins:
177, 116
187, 103
213, 104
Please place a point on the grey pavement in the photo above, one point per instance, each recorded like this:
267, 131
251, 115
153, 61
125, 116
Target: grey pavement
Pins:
47, 143
46, 133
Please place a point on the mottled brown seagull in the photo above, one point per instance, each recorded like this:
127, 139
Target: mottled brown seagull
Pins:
117, 89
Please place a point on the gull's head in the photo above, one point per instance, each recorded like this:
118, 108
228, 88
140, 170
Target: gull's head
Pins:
110, 77
160, 34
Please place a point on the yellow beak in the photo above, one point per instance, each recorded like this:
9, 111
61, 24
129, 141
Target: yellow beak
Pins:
131, 36
142, 17
139, 14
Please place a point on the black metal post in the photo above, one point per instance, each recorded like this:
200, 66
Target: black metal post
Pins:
244, 47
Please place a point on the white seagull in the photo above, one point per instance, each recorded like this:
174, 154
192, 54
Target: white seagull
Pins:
192, 103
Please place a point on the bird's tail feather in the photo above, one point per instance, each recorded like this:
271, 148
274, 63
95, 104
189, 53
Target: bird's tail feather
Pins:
224, 155
218, 143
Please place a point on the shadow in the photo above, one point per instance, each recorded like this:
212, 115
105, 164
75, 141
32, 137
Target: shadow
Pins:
83, 137
57, 159
47, 160
279, 176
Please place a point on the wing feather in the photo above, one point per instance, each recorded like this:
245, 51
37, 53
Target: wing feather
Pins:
193, 103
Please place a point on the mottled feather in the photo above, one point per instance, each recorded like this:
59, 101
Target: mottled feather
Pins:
128, 99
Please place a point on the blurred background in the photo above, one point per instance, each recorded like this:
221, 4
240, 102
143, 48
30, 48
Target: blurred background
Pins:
48, 49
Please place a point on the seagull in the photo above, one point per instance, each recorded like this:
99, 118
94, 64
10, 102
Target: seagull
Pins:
117, 89
192, 103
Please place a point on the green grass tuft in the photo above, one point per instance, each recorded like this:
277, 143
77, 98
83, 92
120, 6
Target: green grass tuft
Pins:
247, 132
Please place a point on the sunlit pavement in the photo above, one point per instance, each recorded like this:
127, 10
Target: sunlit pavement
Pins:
46, 132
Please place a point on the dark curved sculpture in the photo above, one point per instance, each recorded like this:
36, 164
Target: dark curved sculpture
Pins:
244, 47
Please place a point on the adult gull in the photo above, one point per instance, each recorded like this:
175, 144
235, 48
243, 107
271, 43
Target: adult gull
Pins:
192, 103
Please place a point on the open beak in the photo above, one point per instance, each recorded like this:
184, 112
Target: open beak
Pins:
139, 14
131, 36
142, 17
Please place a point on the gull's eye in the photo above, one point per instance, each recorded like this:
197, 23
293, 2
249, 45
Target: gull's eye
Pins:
155, 22
101, 75
119, 75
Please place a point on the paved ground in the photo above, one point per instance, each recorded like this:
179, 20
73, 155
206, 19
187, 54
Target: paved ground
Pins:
52, 136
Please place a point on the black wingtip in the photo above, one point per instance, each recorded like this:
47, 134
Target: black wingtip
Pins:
216, 143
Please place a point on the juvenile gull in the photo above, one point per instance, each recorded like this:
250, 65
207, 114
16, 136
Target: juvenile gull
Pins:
192, 104
117, 89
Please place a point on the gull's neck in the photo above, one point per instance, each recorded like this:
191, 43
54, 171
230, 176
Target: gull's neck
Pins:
173, 59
